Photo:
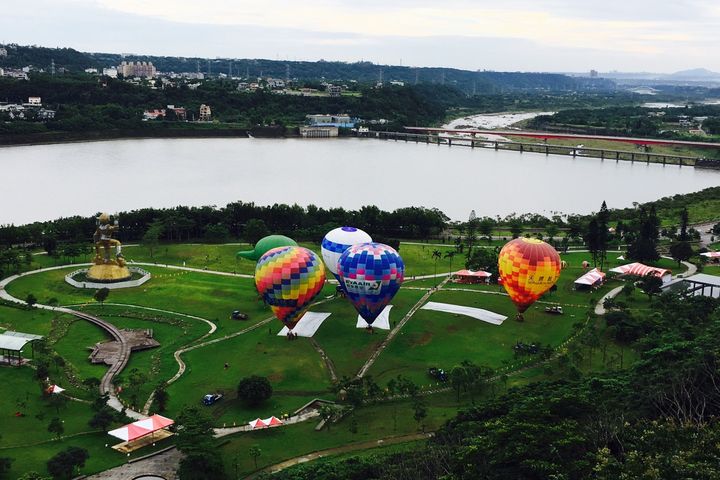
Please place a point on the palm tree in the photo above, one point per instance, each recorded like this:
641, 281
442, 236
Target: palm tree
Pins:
436, 255
450, 255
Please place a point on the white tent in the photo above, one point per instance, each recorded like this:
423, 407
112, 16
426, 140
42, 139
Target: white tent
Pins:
641, 270
593, 277
55, 389
382, 322
307, 326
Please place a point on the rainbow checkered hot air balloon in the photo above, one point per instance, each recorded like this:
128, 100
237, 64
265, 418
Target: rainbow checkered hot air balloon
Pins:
528, 268
288, 278
371, 274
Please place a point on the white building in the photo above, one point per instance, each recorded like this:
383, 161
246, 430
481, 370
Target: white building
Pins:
34, 101
110, 72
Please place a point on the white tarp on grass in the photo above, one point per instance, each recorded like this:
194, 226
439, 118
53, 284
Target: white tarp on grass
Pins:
479, 313
382, 322
307, 326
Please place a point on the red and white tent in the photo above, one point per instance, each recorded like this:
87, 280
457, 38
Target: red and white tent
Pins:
141, 428
265, 423
470, 276
257, 423
711, 254
641, 270
593, 277
55, 389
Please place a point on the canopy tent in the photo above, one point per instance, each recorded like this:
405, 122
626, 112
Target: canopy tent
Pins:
307, 325
259, 423
479, 313
382, 321
470, 276
55, 389
591, 278
711, 255
12, 344
641, 270
141, 428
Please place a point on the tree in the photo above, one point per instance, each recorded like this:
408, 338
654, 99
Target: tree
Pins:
516, 228
458, 379
684, 221
102, 419
650, 284
216, 233
201, 459
56, 427
161, 397
5, 464
101, 295
436, 255
485, 227
681, 252
255, 453
151, 238
31, 300
255, 229
254, 390
419, 411
62, 466
645, 235
450, 254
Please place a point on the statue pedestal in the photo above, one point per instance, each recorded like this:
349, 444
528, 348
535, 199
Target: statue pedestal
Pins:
109, 272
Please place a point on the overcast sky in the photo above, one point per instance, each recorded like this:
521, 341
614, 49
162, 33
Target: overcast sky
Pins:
513, 35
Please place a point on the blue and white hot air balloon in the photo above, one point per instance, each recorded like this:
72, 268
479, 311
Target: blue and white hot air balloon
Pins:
371, 275
337, 241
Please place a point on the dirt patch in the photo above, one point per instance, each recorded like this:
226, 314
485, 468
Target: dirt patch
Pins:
276, 377
452, 328
422, 340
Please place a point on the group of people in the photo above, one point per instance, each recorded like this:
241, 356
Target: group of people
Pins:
292, 335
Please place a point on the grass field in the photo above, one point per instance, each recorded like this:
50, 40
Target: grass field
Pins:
295, 369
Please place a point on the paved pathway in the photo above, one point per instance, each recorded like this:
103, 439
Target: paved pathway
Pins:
222, 432
344, 449
162, 464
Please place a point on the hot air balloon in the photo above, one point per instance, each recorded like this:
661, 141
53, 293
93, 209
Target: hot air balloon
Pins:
371, 275
288, 278
265, 244
337, 241
528, 268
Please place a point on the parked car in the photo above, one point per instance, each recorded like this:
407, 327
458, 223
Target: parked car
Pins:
438, 374
211, 398
238, 315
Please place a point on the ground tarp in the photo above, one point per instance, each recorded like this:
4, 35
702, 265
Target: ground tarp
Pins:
593, 277
382, 322
307, 326
478, 313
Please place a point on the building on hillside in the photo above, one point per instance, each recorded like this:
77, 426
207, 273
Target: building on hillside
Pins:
318, 131
45, 114
334, 90
205, 113
180, 112
699, 284
111, 72
339, 120
34, 102
275, 83
91, 71
137, 69
153, 114
3, 52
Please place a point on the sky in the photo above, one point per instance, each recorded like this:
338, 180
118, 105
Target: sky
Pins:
508, 35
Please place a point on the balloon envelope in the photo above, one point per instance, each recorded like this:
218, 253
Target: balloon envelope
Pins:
337, 241
265, 244
371, 274
528, 268
288, 278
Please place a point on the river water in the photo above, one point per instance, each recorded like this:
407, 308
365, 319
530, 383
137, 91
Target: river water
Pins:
48, 181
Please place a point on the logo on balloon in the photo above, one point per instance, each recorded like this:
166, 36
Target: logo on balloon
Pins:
371, 274
289, 278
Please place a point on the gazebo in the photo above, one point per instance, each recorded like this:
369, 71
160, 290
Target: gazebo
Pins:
141, 433
12, 344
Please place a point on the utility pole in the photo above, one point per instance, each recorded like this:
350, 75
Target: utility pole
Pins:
209, 68
197, 67
230, 69
380, 79
287, 73
417, 76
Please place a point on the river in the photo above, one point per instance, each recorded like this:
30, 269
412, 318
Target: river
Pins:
44, 182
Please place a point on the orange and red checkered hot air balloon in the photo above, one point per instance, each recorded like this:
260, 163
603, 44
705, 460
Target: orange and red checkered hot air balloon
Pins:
528, 268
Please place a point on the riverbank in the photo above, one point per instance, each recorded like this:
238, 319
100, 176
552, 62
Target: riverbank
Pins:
199, 131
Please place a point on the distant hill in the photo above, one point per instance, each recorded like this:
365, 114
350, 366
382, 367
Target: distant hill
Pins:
364, 72
695, 74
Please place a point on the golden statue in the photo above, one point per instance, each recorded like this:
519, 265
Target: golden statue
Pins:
106, 268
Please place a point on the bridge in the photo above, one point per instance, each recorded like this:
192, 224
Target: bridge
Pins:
567, 136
